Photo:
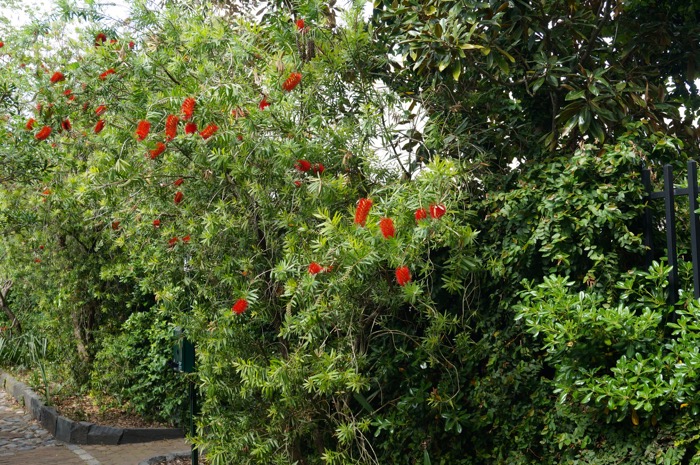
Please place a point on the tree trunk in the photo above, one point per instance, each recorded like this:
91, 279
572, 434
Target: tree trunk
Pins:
7, 285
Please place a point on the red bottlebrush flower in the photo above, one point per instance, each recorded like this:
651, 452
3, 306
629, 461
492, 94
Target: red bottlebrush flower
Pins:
240, 306
387, 227
172, 242
104, 75
99, 126
43, 133
319, 168
190, 128
403, 275
41, 247
131, 45
421, 214
2, 44
160, 148
264, 103
30, 124
115, 225
100, 39
101, 109
436, 211
291, 82
302, 165
57, 77
37, 260
209, 131
297, 183
186, 239
171, 126
46, 191
179, 181
142, 129
71, 98
239, 138
156, 223
188, 108
315, 268
178, 197
362, 211
113, 41
67, 92
65, 124
300, 24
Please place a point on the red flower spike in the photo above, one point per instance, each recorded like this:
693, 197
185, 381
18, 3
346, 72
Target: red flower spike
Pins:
186, 239
160, 148
30, 124
171, 126
190, 128
37, 260
291, 82
319, 168
172, 242
178, 197
67, 92
315, 268
65, 124
239, 138
240, 306
46, 191
179, 182
421, 214
156, 223
436, 211
403, 275
57, 77
300, 24
113, 41
188, 108
104, 75
131, 45
209, 131
115, 225
387, 227
43, 133
100, 39
142, 129
302, 165
101, 109
264, 103
297, 183
362, 211
2, 44
99, 126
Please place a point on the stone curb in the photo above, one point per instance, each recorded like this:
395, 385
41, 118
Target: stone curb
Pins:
166, 458
80, 432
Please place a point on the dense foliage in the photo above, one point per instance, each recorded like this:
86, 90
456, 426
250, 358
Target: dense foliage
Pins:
409, 238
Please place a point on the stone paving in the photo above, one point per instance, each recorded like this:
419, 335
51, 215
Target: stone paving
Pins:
24, 442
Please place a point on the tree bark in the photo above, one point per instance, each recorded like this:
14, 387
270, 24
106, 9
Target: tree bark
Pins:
7, 285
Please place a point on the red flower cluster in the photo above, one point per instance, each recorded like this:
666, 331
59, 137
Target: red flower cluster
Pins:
188, 108
2, 44
30, 124
101, 109
67, 92
179, 181
318, 168
99, 126
303, 165
57, 77
131, 45
436, 211
43, 133
209, 131
104, 75
186, 239
178, 197
315, 268
362, 211
156, 223
160, 148
171, 126
264, 103
421, 214
142, 129
172, 241
190, 128
291, 82
240, 306
403, 275
387, 227
115, 225
300, 24
100, 39
65, 124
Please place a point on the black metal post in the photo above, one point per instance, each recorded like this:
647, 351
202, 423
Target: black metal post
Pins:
669, 199
694, 224
193, 414
648, 220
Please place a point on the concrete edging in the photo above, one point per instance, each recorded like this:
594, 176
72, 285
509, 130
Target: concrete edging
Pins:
80, 432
